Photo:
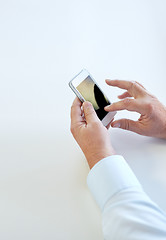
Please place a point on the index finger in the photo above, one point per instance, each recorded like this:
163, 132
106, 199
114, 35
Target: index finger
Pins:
76, 114
133, 88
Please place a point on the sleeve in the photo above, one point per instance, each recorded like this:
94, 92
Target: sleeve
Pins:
127, 212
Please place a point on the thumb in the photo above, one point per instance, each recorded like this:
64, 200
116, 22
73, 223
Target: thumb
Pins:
89, 113
127, 124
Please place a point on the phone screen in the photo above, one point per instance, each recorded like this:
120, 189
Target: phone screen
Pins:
92, 93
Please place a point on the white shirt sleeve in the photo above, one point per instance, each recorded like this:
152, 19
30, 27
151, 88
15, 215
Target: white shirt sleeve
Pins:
127, 212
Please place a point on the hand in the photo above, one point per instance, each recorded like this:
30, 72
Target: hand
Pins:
89, 132
152, 121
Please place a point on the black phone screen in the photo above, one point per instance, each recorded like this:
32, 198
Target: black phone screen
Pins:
92, 93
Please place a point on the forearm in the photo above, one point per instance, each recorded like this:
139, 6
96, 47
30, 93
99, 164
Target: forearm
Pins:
131, 215
128, 213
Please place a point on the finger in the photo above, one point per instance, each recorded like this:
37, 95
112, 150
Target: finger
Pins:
140, 85
134, 89
124, 95
128, 124
126, 104
76, 114
89, 112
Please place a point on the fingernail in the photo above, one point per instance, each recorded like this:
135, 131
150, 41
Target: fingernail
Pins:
87, 104
107, 107
116, 125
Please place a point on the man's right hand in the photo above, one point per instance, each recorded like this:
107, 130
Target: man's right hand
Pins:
152, 121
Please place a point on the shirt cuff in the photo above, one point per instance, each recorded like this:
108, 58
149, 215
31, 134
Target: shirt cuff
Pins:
110, 176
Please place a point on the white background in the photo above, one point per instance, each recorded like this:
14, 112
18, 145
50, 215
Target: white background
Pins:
43, 44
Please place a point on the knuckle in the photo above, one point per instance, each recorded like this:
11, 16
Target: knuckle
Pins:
150, 107
153, 97
127, 102
73, 128
126, 124
89, 112
133, 84
139, 84
72, 107
116, 81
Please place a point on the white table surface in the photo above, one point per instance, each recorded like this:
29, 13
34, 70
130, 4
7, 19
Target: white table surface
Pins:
43, 44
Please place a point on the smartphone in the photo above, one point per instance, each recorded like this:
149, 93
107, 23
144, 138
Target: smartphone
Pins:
86, 89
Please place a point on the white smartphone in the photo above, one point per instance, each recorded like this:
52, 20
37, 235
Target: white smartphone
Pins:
86, 89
